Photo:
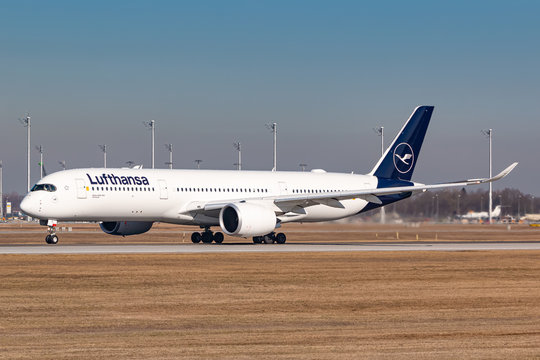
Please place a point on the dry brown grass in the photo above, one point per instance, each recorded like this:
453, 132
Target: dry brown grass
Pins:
271, 306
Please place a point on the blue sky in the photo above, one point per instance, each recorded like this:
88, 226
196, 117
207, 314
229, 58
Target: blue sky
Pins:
214, 72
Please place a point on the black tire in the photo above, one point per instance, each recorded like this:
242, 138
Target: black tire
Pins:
54, 240
257, 239
268, 239
218, 238
196, 237
207, 237
48, 239
281, 238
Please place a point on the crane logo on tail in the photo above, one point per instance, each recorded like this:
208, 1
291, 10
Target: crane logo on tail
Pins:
403, 158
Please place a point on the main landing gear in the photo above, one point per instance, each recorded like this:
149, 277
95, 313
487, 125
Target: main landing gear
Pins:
207, 237
271, 238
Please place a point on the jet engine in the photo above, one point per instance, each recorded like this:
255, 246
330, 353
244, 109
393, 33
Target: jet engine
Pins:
124, 228
247, 219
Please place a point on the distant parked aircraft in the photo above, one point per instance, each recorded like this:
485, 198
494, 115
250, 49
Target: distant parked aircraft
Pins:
482, 215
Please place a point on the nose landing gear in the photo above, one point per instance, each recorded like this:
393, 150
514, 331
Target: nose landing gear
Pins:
51, 238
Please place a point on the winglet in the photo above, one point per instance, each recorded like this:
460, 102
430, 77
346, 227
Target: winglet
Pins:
505, 172
499, 176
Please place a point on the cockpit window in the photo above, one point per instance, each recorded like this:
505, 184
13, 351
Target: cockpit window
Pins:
44, 187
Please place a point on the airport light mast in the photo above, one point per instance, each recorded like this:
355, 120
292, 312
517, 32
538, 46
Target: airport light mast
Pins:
238, 148
273, 127
489, 134
303, 166
380, 131
152, 126
40, 149
170, 162
26, 124
198, 162
104, 149
63, 164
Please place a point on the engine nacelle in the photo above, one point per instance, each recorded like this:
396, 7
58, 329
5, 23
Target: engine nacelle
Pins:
247, 219
124, 228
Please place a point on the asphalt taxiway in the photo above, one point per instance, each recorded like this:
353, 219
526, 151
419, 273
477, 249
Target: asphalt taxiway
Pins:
263, 248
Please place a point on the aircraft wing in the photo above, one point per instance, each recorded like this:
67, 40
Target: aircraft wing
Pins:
332, 199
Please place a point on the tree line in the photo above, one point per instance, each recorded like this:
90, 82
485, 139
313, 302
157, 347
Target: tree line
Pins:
447, 204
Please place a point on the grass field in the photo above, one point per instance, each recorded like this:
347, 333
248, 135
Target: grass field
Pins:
443, 305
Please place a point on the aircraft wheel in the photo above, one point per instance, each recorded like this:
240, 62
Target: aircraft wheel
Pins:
48, 239
207, 237
196, 237
218, 238
257, 239
54, 239
268, 239
281, 238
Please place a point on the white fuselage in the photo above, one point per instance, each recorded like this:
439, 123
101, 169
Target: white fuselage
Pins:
173, 196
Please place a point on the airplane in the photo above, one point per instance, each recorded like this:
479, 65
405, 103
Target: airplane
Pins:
244, 204
482, 215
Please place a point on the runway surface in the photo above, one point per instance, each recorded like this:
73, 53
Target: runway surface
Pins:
262, 248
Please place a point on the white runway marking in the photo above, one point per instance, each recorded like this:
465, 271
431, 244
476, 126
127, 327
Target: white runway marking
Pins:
261, 248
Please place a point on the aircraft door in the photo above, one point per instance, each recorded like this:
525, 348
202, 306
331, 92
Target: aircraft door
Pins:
81, 189
163, 191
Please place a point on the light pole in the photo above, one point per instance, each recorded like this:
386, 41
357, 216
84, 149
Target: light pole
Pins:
152, 126
26, 123
40, 149
170, 163
238, 148
489, 134
198, 162
104, 149
380, 131
273, 128
437, 206
458, 209
303, 166
481, 203
63, 164
501, 204
519, 207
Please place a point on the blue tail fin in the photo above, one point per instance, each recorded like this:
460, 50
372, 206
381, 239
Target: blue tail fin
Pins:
400, 158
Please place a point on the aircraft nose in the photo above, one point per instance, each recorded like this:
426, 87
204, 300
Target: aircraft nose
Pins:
28, 206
